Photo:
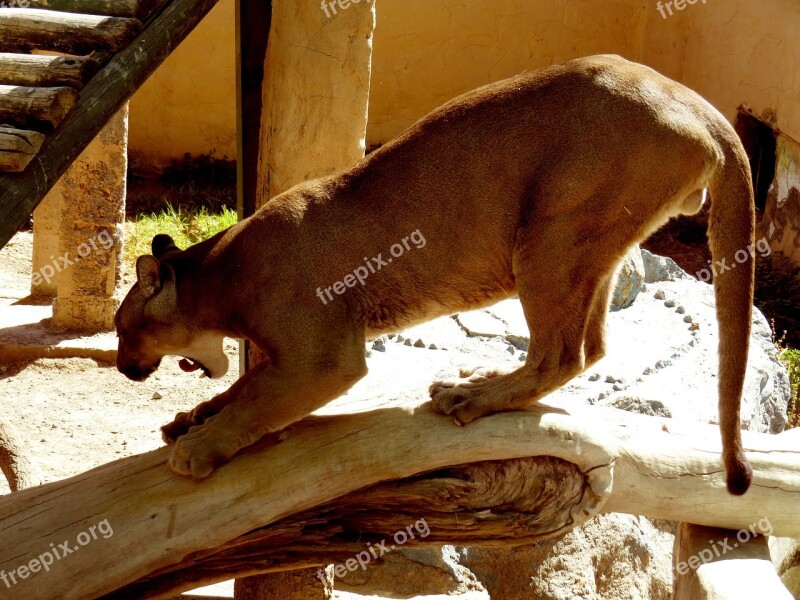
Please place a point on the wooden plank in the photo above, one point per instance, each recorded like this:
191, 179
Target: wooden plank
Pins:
102, 97
46, 71
20, 104
18, 148
23, 29
111, 8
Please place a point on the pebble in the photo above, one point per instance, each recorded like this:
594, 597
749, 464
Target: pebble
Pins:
660, 295
594, 377
419, 344
433, 347
648, 371
407, 342
379, 345
611, 379
687, 319
680, 310
617, 387
510, 349
157, 396
669, 303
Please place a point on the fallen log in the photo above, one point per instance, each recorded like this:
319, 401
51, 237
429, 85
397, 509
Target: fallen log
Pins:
46, 71
18, 148
19, 104
506, 479
23, 29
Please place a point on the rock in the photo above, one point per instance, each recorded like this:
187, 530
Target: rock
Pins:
414, 572
157, 396
612, 556
670, 303
661, 268
653, 408
630, 278
419, 344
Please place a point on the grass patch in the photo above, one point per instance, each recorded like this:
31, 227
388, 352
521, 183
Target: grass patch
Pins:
185, 227
791, 358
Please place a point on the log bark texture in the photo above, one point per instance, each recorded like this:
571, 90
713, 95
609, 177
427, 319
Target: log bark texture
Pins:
102, 97
335, 483
31, 29
46, 71
18, 148
20, 104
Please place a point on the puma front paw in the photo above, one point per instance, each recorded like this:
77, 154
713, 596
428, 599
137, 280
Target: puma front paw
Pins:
199, 452
181, 424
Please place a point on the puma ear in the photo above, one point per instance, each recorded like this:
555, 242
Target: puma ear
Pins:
148, 274
162, 245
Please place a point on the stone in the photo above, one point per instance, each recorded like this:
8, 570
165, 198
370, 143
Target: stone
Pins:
630, 277
612, 556
90, 201
661, 268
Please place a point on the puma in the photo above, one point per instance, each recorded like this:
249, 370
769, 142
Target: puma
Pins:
535, 186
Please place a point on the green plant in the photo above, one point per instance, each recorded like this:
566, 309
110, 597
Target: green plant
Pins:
791, 358
185, 227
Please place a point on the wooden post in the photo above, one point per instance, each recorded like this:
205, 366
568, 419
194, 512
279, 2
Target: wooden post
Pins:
17, 148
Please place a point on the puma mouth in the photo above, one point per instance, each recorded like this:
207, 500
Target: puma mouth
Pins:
190, 366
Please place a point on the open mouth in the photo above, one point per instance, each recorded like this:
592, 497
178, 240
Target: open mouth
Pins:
190, 366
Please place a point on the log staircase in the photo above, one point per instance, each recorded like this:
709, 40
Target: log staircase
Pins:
66, 67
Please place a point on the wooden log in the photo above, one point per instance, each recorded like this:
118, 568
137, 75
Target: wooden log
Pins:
538, 473
19, 104
17, 150
111, 8
15, 458
24, 29
721, 564
102, 97
46, 71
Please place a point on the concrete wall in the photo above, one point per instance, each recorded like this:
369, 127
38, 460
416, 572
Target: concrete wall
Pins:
732, 52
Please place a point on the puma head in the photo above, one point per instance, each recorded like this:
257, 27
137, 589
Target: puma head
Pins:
151, 324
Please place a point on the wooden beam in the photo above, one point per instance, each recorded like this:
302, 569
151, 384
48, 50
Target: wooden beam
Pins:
17, 149
102, 97
111, 8
23, 29
19, 104
46, 71
557, 468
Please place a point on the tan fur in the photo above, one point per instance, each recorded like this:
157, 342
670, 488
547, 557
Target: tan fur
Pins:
536, 186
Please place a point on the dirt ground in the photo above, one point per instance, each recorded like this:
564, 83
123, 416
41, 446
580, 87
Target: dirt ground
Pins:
77, 413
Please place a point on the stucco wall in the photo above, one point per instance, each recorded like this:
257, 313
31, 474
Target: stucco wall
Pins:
428, 52
732, 52
189, 103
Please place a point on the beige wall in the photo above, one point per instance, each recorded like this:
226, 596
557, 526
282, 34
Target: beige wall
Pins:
732, 52
428, 52
189, 103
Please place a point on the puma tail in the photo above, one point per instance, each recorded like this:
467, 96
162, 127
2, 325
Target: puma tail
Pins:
731, 234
